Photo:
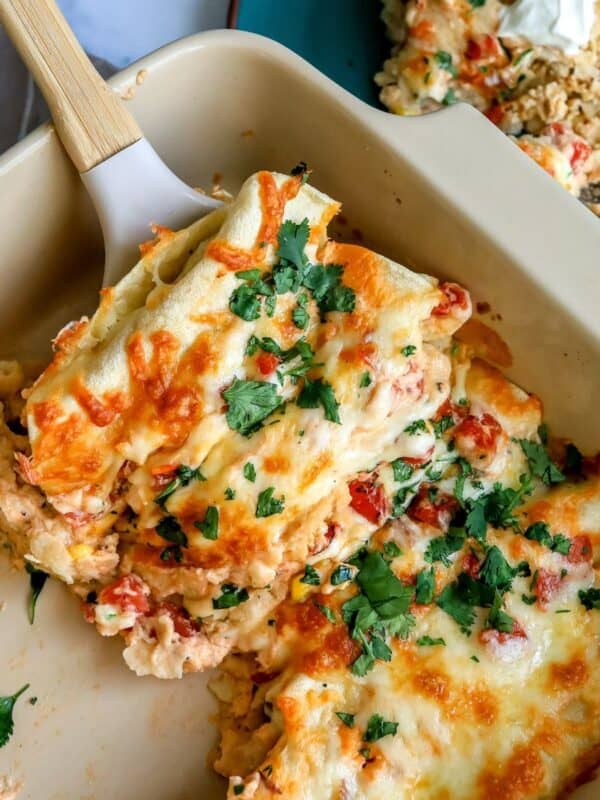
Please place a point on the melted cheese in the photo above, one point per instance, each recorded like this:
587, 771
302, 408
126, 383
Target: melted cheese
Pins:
138, 390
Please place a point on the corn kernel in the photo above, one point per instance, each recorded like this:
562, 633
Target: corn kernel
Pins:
300, 591
79, 551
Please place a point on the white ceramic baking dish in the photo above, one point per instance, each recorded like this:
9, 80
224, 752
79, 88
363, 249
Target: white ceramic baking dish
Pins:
447, 194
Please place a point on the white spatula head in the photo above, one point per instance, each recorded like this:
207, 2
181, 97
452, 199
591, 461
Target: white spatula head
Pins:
133, 190
129, 184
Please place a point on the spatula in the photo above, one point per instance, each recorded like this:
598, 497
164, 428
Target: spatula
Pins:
130, 186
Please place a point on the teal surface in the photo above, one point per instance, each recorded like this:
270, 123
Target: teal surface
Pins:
343, 38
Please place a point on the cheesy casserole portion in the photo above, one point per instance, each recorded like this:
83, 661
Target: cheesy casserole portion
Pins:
451, 652
190, 441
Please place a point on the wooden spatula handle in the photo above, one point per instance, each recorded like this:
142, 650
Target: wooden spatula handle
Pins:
89, 117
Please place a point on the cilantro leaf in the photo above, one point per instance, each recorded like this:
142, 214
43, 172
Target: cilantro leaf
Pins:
378, 727
311, 576
245, 303
347, 719
231, 596
539, 532
496, 572
292, 239
267, 505
427, 641
321, 278
453, 602
7, 705
392, 550
425, 587
365, 380
249, 403
385, 592
442, 547
229, 493
415, 427
250, 471
327, 612
173, 552
465, 471
183, 476
402, 471
341, 574
409, 350
444, 60
540, 463
499, 619
37, 579
319, 392
590, 598
170, 529
209, 527
561, 544
442, 425
300, 316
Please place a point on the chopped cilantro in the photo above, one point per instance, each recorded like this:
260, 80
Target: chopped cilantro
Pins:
170, 529
270, 304
311, 576
540, 463
499, 619
229, 493
365, 380
590, 598
37, 580
252, 345
425, 586
183, 476
7, 705
475, 659
465, 470
245, 303
450, 97
172, 553
300, 315
392, 550
496, 508
292, 239
267, 505
427, 641
496, 572
378, 727
457, 603
209, 526
442, 425
442, 547
563, 611
416, 427
249, 471
561, 544
319, 392
249, 403
540, 532
409, 350
402, 470
347, 719
341, 574
529, 600
327, 612
239, 788
231, 596
378, 610
444, 60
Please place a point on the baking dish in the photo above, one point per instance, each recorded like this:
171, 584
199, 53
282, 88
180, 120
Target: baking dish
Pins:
444, 193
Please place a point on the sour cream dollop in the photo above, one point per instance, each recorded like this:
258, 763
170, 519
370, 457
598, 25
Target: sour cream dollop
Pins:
566, 24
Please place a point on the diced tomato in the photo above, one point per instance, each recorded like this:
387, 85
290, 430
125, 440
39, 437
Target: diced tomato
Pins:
495, 114
267, 363
332, 531
182, 623
581, 151
491, 636
546, 587
471, 565
581, 550
450, 409
473, 51
478, 438
369, 500
433, 507
417, 461
128, 593
456, 299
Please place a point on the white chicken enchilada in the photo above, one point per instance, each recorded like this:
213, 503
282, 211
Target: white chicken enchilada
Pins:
286, 455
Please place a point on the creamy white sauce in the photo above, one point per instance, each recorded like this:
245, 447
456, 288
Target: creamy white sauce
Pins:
566, 24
